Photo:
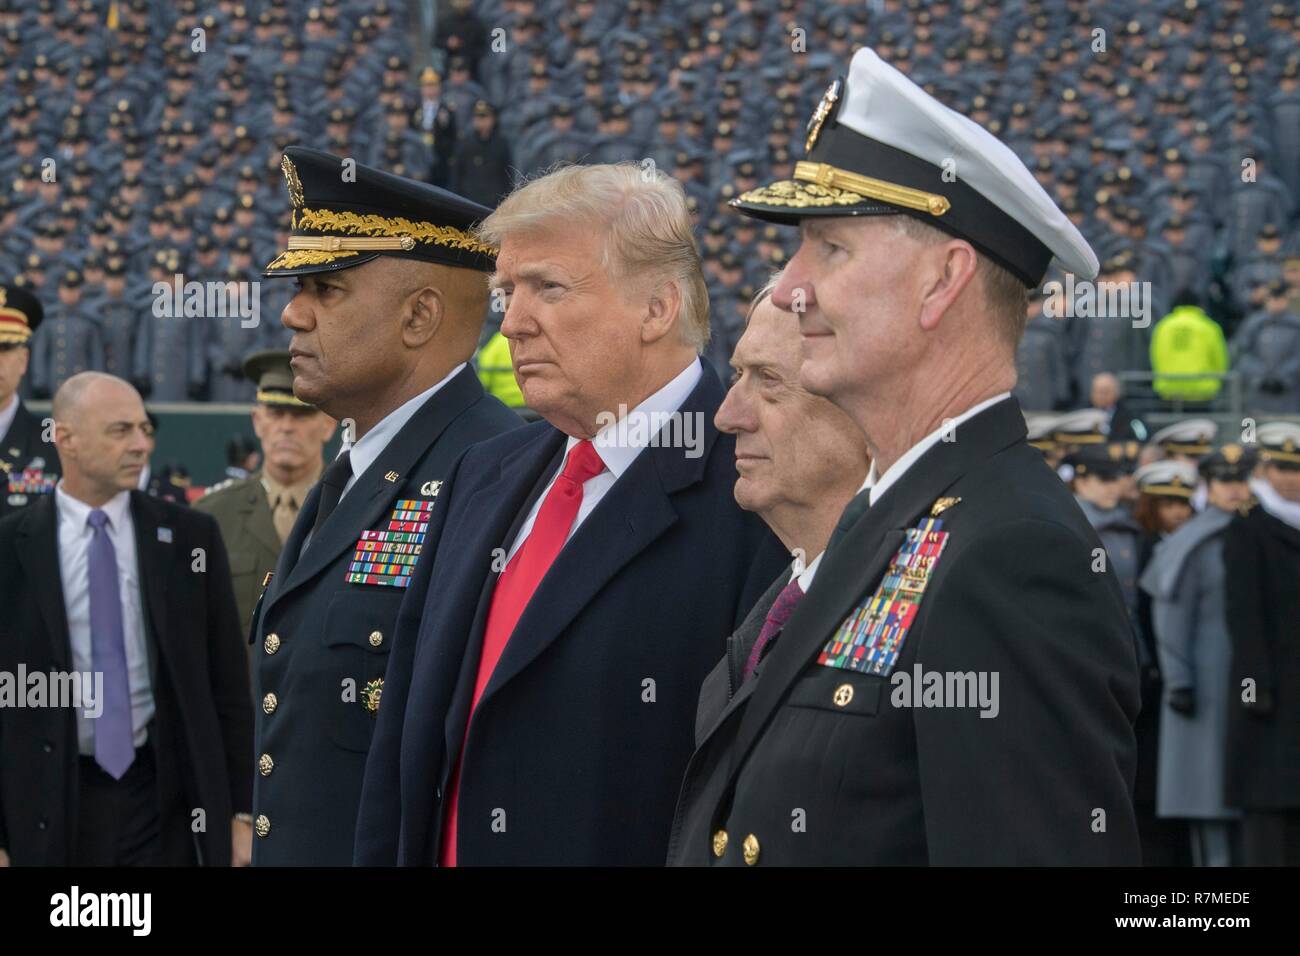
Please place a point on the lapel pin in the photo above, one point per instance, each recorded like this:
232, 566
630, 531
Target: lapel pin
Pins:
430, 489
391, 476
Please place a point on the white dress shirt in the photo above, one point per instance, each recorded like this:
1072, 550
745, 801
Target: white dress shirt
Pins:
8, 414
879, 485
371, 445
617, 448
805, 577
75, 535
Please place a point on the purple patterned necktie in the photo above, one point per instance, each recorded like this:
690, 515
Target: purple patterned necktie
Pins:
782, 608
114, 743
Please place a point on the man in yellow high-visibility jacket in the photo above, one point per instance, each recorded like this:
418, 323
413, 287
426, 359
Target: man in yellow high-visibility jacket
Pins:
1188, 342
497, 373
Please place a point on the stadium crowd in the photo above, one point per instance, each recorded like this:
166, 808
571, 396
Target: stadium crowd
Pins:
1169, 133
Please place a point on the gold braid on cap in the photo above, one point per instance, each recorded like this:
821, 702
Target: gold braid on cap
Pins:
820, 184
370, 224
305, 257
345, 234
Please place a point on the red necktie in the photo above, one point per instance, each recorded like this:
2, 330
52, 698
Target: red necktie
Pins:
514, 590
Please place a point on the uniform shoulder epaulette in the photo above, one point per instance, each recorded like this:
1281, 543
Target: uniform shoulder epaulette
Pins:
221, 486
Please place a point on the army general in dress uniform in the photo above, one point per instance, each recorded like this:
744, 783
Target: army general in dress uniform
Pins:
388, 311
29, 462
257, 513
959, 684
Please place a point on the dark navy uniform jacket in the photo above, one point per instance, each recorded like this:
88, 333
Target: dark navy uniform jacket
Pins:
30, 465
816, 763
324, 640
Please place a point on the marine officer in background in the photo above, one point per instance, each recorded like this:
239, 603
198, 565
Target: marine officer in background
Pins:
256, 513
390, 303
30, 463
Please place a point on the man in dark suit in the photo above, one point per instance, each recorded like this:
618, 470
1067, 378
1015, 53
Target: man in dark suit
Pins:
1106, 395
150, 764
801, 460
959, 684
28, 458
1261, 555
582, 576
389, 308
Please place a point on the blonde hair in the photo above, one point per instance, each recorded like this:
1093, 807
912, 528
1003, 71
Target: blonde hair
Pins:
646, 225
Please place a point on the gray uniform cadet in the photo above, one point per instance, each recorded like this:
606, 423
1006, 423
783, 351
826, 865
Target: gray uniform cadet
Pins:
1187, 581
325, 621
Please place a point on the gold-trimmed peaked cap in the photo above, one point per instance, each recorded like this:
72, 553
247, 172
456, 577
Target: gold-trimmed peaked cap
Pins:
271, 372
1280, 443
343, 214
877, 144
20, 314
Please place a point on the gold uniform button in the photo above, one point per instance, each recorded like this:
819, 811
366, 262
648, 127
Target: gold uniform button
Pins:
376, 638
272, 643
265, 764
262, 825
269, 703
750, 848
843, 694
720, 843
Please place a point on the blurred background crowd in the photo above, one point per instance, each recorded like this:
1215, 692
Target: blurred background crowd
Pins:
144, 142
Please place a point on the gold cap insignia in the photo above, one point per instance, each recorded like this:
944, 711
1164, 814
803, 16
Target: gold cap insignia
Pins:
942, 505
292, 181
371, 695
1232, 453
824, 108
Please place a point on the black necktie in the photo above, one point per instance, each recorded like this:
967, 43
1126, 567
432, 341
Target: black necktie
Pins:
854, 510
331, 488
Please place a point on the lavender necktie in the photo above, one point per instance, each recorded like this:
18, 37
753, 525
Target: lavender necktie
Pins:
114, 743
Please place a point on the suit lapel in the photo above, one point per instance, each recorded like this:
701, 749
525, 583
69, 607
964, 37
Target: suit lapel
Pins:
39, 554
154, 558
372, 492
522, 476
844, 577
748, 633
630, 517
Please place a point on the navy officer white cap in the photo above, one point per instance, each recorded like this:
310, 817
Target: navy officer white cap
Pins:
1191, 436
1168, 476
878, 144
